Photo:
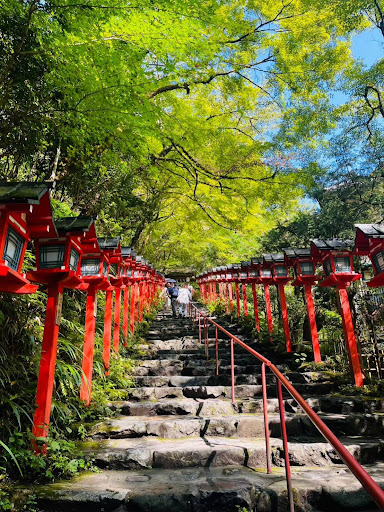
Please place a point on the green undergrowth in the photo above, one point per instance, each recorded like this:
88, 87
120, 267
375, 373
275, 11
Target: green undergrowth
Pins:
21, 329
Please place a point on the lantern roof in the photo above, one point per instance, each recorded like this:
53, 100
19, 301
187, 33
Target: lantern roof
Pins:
257, 260
245, 263
371, 230
78, 224
108, 244
274, 257
368, 237
297, 252
128, 252
22, 191
32, 199
331, 244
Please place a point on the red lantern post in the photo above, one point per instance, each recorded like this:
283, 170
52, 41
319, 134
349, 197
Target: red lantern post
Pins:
57, 265
336, 258
305, 269
281, 279
112, 248
254, 279
266, 278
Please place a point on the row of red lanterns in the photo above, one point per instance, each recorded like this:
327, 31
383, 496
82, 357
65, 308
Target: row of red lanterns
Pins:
70, 255
336, 258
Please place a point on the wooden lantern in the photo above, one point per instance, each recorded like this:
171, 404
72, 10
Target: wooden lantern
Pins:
25, 214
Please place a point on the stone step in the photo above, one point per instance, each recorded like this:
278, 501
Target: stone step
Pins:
203, 380
204, 392
235, 425
210, 451
209, 489
212, 407
157, 376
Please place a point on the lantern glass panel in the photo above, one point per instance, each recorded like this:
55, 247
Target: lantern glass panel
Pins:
13, 247
378, 261
105, 268
235, 274
265, 272
90, 266
343, 264
327, 267
137, 274
307, 268
281, 271
74, 259
229, 276
244, 274
253, 273
129, 272
52, 256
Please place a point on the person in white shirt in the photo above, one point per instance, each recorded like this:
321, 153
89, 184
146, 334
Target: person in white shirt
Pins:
183, 300
165, 297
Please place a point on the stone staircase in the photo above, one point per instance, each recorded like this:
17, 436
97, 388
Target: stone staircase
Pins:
179, 444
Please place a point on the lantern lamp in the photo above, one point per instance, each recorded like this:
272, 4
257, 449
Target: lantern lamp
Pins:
336, 257
369, 241
303, 264
25, 213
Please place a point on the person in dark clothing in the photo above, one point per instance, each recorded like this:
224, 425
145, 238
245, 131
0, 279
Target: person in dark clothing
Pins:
173, 293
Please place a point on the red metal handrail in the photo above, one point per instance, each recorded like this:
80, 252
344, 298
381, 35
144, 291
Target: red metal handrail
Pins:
373, 489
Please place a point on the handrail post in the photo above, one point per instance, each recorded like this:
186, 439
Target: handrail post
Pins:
217, 353
283, 427
233, 371
266, 422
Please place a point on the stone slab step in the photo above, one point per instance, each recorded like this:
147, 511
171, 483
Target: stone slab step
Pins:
234, 425
197, 407
202, 380
218, 451
208, 489
241, 391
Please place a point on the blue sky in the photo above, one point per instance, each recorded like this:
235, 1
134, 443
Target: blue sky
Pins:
368, 46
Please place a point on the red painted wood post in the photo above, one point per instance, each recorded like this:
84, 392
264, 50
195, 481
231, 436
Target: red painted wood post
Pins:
268, 310
125, 315
350, 338
214, 290
312, 322
107, 330
116, 323
284, 314
255, 307
230, 293
245, 302
266, 421
132, 308
88, 348
233, 371
141, 301
284, 436
46, 377
238, 300
217, 352
226, 298
137, 302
